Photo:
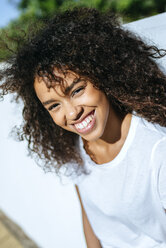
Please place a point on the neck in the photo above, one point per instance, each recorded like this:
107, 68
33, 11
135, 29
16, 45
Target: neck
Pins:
116, 131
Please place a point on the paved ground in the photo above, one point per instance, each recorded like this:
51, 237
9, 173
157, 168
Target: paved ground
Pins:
12, 236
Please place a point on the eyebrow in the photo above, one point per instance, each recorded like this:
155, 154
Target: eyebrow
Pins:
48, 102
67, 90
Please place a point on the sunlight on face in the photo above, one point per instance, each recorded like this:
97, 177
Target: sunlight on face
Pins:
83, 110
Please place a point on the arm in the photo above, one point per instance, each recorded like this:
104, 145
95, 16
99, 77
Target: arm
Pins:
91, 239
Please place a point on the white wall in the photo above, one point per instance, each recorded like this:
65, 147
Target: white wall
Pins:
48, 211
153, 31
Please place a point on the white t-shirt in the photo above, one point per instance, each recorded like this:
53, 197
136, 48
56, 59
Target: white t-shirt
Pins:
125, 198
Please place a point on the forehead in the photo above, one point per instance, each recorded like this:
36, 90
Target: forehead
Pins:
60, 85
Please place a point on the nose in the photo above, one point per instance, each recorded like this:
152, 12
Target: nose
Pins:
73, 112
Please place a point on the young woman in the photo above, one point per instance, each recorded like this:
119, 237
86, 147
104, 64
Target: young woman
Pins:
95, 108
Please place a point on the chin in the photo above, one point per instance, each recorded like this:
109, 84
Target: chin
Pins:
93, 136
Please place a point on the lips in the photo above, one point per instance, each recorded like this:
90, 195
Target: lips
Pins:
86, 124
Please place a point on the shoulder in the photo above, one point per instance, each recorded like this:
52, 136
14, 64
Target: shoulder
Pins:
150, 135
159, 148
154, 128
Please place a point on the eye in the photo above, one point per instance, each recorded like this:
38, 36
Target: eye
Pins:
78, 90
55, 105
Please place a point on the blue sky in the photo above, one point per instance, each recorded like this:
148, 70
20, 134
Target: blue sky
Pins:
7, 12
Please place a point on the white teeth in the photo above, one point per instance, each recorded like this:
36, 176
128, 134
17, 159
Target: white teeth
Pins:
89, 119
85, 122
81, 126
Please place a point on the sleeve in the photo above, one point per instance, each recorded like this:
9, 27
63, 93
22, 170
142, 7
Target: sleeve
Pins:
161, 157
162, 184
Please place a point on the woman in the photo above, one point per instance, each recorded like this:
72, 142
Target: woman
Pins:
94, 104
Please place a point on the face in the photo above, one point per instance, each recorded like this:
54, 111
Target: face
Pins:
83, 110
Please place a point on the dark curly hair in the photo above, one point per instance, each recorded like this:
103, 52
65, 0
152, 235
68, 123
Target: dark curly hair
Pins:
97, 48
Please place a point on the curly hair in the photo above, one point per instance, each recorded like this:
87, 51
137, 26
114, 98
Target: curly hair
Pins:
94, 46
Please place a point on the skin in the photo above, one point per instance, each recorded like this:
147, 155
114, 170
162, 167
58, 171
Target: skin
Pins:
107, 136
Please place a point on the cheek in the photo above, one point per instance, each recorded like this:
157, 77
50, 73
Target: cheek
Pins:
57, 118
91, 98
103, 107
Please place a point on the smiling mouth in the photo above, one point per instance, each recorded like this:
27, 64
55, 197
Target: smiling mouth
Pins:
87, 124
